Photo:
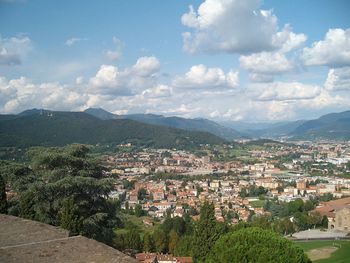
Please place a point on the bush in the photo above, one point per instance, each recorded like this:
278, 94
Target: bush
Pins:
255, 245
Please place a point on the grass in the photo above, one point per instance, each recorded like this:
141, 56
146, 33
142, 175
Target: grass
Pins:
341, 255
132, 221
257, 203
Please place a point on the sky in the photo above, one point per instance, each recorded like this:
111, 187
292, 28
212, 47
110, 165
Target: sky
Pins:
239, 60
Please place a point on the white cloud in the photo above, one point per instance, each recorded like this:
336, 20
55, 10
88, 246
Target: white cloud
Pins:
235, 26
12, 50
141, 76
116, 53
146, 66
338, 79
21, 94
266, 63
199, 76
333, 51
160, 91
283, 91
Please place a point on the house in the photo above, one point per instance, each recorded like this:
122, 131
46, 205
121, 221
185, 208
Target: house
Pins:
161, 258
337, 212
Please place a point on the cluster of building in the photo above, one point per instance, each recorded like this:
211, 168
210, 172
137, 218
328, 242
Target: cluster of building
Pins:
286, 181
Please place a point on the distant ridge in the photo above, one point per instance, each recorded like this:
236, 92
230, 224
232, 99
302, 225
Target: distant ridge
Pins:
335, 126
197, 124
55, 128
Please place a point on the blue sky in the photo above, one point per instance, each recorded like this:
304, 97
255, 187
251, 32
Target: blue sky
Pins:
226, 59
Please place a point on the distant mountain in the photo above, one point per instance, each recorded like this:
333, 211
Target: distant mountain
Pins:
265, 130
197, 124
52, 128
329, 126
100, 113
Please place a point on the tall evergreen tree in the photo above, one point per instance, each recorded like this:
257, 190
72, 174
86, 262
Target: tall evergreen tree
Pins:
207, 232
69, 190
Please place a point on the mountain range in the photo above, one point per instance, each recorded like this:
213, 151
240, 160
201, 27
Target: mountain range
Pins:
54, 128
97, 126
198, 124
334, 126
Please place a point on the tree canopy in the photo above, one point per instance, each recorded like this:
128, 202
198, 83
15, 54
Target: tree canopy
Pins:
255, 245
65, 187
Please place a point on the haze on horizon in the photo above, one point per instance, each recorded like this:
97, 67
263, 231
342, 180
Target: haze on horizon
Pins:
249, 60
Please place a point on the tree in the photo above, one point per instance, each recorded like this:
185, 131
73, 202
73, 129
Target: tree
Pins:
134, 240
207, 231
184, 246
148, 243
160, 241
173, 240
138, 210
141, 194
255, 245
3, 198
69, 190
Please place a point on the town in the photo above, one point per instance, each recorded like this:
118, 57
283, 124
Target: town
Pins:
171, 181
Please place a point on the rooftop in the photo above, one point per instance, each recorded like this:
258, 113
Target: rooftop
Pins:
24, 240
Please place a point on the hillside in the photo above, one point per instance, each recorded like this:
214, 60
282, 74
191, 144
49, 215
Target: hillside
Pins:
329, 126
198, 124
48, 128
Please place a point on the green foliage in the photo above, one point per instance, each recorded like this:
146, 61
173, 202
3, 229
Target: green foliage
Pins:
138, 211
252, 190
184, 246
129, 239
141, 194
255, 245
173, 241
65, 187
207, 231
160, 241
148, 243
62, 128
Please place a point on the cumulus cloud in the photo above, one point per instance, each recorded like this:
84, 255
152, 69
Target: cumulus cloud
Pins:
266, 63
146, 66
110, 80
12, 50
283, 91
21, 94
199, 76
107, 76
338, 79
116, 53
217, 27
333, 51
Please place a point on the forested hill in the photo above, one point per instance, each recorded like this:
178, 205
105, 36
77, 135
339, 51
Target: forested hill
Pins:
197, 124
51, 128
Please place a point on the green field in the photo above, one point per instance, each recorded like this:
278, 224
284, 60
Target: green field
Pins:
341, 255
